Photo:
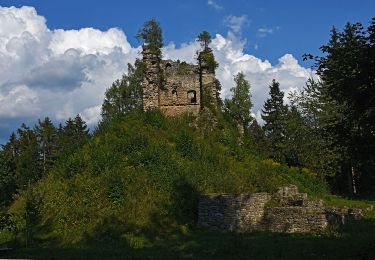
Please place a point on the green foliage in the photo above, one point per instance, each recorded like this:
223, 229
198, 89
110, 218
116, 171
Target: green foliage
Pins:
144, 172
273, 114
207, 60
239, 106
183, 68
347, 104
151, 34
204, 39
125, 94
32, 153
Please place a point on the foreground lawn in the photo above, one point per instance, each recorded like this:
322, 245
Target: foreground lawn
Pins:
355, 241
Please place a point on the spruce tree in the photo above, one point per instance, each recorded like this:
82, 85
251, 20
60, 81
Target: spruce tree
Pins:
273, 114
46, 135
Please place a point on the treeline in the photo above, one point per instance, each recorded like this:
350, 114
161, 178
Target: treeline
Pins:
30, 153
327, 127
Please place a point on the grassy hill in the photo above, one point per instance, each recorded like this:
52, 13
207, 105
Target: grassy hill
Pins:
134, 187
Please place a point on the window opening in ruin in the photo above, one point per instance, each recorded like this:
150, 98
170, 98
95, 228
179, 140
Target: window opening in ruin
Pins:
174, 96
192, 96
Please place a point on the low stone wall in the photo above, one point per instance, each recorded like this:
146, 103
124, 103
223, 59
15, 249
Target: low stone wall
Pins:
232, 212
294, 219
285, 211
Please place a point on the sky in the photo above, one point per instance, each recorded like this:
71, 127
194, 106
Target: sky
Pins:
58, 57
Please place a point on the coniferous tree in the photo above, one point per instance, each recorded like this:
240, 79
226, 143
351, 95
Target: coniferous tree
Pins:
46, 135
151, 35
259, 143
348, 89
27, 163
304, 132
73, 134
8, 170
204, 38
273, 114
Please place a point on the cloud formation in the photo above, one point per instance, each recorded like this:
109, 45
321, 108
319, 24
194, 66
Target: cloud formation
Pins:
61, 73
264, 31
235, 23
215, 5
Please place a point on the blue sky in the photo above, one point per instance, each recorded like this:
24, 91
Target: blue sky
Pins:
298, 26
54, 65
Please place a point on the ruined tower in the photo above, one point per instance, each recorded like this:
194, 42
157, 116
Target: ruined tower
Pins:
176, 87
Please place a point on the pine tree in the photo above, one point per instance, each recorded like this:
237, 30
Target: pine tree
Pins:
273, 114
151, 35
204, 38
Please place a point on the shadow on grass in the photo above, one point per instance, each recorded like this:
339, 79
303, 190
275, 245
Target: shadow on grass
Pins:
354, 241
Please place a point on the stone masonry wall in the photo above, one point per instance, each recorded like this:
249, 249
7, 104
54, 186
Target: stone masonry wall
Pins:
232, 212
293, 212
175, 87
180, 91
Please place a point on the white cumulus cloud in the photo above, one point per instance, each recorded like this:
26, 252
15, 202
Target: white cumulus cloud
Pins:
61, 73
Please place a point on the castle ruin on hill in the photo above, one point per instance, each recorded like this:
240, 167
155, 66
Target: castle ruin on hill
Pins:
177, 87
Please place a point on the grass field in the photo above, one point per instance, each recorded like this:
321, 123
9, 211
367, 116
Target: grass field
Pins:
354, 241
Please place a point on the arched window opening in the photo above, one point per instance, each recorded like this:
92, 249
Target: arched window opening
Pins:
192, 96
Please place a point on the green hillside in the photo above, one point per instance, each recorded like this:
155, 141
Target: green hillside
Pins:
130, 188
145, 172
138, 178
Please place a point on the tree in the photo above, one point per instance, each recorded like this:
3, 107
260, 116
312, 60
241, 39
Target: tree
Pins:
8, 170
151, 34
204, 38
27, 162
239, 106
273, 114
258, 142
46, 135
72, 135
125, 95
347, 73
305, 137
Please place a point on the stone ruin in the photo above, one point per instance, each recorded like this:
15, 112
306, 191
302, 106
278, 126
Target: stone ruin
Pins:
287, 210
176, 87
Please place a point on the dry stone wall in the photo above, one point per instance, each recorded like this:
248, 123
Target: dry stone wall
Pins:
285, 211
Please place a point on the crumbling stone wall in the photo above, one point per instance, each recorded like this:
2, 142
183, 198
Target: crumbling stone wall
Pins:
180, 91
285, 211
175, 87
